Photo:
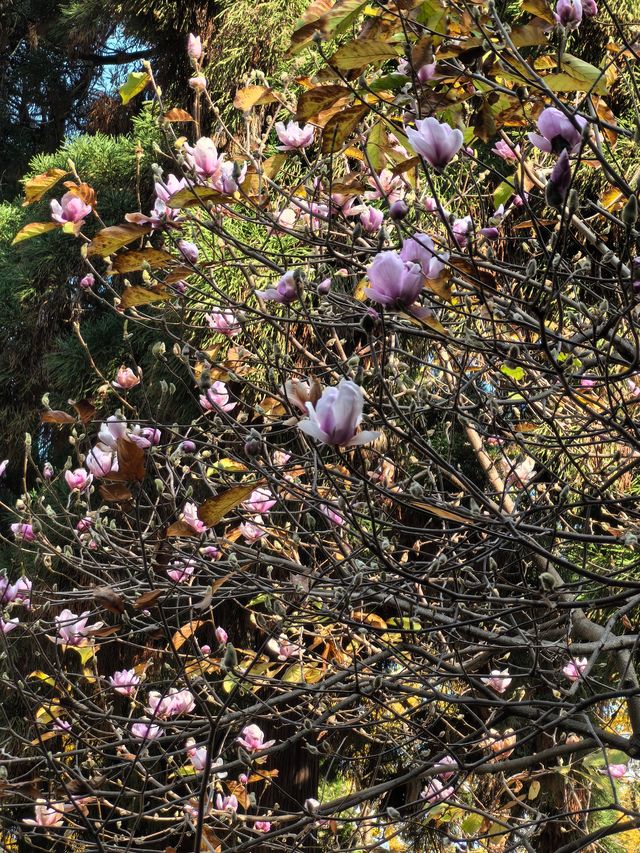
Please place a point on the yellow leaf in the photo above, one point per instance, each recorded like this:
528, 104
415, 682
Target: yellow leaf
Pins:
358, 53
33, 229
252, 96
85, 653
135, 295
316, 100
132, 260
190, 196
534, 790
214, 510
341, 126
36, 187
182, 634
135, 83
111, 239
38, 673
541, 8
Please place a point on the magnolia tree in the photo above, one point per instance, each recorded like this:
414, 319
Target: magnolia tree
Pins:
380, 591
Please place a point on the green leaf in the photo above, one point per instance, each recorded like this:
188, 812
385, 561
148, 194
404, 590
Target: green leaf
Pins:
502, 194
516, 373
592, 77
471, 824
33, 229
136, 82
376, 144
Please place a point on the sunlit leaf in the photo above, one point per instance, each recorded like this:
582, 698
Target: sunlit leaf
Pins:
358, 53
36, 187
186, 631
190, 196
541, 8
214, 510
109, 240
137, 260
316, 100
54, 416
516, 373
340, 127
135, 295
176, 114
252, 96
33, 229
135, 83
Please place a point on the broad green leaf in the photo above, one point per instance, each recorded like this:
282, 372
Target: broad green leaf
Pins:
472, 823
135, 83
377, 143
357, 54
36, 187
33, 229
502, 193
593, 78
515, 373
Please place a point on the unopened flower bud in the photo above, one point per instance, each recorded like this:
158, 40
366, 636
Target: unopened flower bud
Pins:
398, 210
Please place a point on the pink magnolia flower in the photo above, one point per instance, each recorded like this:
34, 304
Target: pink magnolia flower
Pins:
111, 431
70, 208
203, 157
587, 383
294, 137
79, 479
331, 514
287, 649
498, 680
194, 46
558, 132
424, 73
574, 669
394, 282
23, 531
216, 397
371, 219
3, 466
337, 415
285, 291
616, 771
101, 461
436, 141
436, 792
568, 14
504, 150
190, 517
388, 186
181, 570
47, 815
169, 186
124, 681
197, 755
262, 826
253, 739
73, 630
87, 281
7, 627
522, 474
126, 379
260, 501
450, 761
252, 530
589, 8
229, 803
462, 229
21, 591
84, 524
198, 82
211, 552
420, 250
223, 321
145, 730
221, 635
47, 471
172, 704
144, 437
189, 251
